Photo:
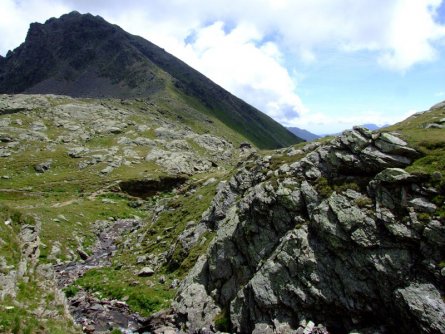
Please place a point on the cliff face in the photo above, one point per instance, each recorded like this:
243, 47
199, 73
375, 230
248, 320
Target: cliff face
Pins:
342, 237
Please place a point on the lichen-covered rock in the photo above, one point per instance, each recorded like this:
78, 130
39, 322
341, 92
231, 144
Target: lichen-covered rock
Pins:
291, 246
422, 308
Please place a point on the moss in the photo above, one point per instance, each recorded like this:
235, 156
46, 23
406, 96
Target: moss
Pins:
340, 187
424, 217
323, 187
222, 321
363, 201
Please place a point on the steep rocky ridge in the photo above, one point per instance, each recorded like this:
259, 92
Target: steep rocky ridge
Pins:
85, 56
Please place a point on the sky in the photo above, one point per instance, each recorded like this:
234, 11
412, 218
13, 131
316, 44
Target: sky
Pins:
321, 65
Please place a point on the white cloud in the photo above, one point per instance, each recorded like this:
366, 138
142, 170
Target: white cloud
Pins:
238, 61
411, 33
16, 15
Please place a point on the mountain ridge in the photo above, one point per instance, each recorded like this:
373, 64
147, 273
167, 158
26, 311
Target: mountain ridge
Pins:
302, 133
82, 55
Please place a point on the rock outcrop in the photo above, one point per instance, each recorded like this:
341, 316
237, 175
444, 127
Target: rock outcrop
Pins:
343, 237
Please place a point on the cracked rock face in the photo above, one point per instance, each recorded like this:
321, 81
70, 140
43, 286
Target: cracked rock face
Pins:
290, 248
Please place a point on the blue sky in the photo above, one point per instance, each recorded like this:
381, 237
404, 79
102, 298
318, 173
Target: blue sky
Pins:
322, 65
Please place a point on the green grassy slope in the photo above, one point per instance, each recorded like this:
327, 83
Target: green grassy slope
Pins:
419, 131
69, 200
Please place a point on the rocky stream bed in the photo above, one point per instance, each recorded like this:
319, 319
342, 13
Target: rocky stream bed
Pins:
94, 314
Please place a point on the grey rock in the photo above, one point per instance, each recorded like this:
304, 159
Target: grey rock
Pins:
174, 284
141, 141
77, 152
423, 205
433, 126
38, 126
178, 145
209, 181
283, 251
392, 175
378, 160
4, 138
141, 259
84, 164
434, 232
146, 272
106, 170
212, 144
436, 176
43, 166
114, 130
179, 162
402, 231
422, 307
192, 298
83, 255
356, 139
4, 153
168, 134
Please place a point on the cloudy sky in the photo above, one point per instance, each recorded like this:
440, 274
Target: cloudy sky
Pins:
322, 65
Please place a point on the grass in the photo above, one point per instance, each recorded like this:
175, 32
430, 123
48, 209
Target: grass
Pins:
10, 247
23, 313
430, 142
115, 283
67, 201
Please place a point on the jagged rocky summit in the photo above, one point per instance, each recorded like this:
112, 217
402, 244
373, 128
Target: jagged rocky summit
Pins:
343, 237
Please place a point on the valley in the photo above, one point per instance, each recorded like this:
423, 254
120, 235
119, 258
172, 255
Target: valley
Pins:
137, 196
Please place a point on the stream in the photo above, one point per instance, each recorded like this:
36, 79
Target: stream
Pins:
94, 314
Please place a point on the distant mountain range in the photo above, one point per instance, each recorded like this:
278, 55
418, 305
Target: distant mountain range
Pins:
373, 127
82, 55
304, 134
369, 126
309, 136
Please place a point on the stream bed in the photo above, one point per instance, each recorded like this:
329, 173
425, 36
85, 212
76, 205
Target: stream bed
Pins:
93, 314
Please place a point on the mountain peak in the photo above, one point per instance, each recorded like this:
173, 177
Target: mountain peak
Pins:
82, 55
